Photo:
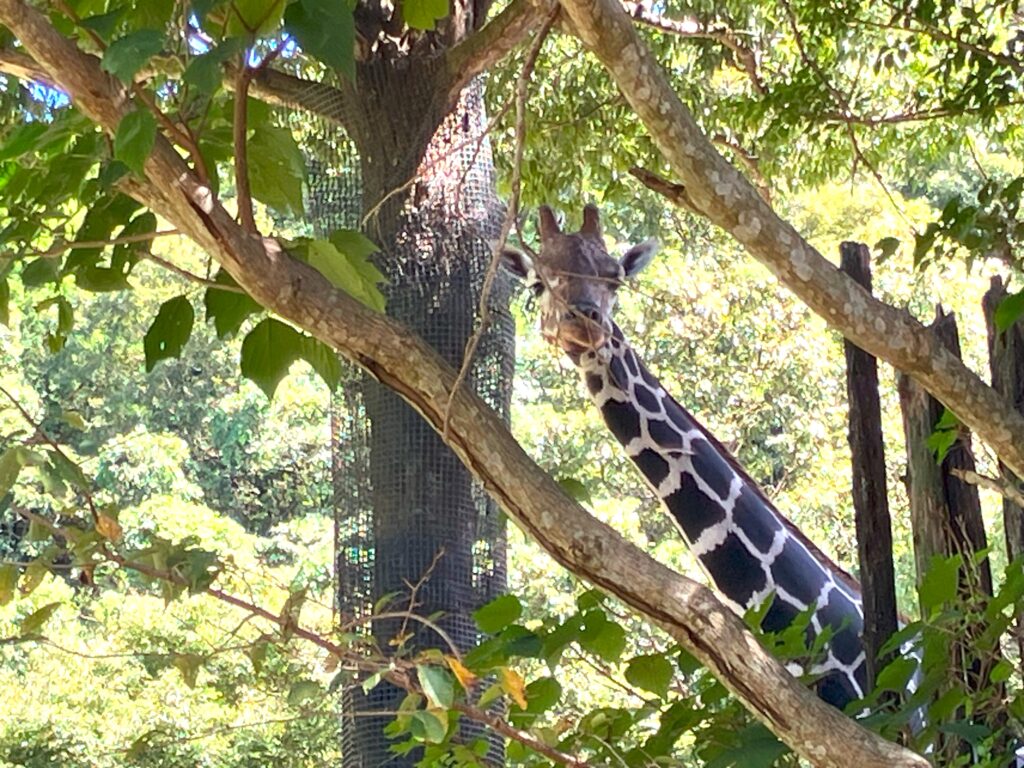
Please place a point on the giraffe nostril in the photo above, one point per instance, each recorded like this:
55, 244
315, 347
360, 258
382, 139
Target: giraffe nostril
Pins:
587, 310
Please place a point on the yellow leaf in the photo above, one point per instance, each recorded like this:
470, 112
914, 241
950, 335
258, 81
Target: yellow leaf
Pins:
514, 686
108, 527
463, 675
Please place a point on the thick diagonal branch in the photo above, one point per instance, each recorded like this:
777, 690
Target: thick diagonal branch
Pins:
729, 201
589, 548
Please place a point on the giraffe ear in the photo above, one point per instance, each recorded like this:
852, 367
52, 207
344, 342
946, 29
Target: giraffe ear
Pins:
638, 257
515, 261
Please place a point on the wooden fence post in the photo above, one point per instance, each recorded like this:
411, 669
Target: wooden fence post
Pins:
945, 512
870, 499
1006, 359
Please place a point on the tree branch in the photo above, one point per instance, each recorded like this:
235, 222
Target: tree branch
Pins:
720, 33
297, 292
729, 201
493, 42
1004, 488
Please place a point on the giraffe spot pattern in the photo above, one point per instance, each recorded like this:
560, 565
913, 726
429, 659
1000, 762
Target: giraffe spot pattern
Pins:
647, 400
739, 573
712, 468
622, 420
748, 515
779, 616
654, 467
693, 510
738, 537
796, 571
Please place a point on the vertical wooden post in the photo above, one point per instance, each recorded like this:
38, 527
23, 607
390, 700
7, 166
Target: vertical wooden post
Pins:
870, 499
1006, 359
945, 512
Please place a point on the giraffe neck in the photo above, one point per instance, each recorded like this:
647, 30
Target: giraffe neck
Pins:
748, 548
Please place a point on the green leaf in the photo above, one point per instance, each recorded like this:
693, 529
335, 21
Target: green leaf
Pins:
343, 271
652, 673
325, 29
270, 348
169, 332
576, 489
423, 14
206, 71
1001, 672
8, 583
432, 729
40, 272
254, 17
302, 691
1009, 311
188, 664
11, 462
276, 169
940, 581
228, 309
134, 139
5, 298
371, 682
257, 654
602, 637
498, 614
35, 621
437, 685
21, 140
886, 247
103, 24
124, 57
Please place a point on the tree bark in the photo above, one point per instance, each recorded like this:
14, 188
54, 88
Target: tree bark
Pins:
870, 499
945, 511
1006, 360
587, 547
728, 200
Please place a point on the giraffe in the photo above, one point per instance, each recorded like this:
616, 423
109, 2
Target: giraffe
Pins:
750, 551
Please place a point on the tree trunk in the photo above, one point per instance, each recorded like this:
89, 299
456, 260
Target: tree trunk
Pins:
870, 500
946, 518
427, 533
1006, 359
945, 511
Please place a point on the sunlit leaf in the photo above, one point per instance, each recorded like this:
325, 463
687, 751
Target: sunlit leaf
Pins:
437, 685
424, 14
465, 677
302, 691
35, 621
498, 614
514, 685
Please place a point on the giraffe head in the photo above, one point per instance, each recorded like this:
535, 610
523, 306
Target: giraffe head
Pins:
575, 279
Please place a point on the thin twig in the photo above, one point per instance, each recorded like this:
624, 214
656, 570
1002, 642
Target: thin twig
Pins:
191, 276
484, 310
140, 237
53, 444
243, 190
675, 193
1004, 488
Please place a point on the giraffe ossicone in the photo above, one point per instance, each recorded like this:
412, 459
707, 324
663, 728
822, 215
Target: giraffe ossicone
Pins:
750, 551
